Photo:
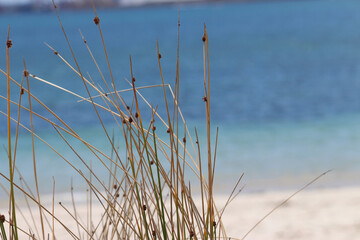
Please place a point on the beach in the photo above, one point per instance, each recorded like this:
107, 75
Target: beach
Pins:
322, 214
314, 214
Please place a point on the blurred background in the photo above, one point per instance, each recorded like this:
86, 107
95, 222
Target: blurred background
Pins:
285, 79
47, 5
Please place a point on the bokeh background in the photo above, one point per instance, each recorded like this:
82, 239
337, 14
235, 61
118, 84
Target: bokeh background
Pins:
285, 79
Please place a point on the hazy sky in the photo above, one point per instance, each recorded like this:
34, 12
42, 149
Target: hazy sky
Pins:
129, 2
13, 1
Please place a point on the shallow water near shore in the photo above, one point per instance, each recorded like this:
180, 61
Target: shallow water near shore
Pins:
285, 85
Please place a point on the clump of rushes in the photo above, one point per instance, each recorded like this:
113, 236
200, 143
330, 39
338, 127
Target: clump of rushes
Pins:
148, 195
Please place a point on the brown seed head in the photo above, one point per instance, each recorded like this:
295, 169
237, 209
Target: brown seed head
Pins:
214, 223
159, 56
154, 233
127, 107
124, 121
56, 53
152, 162
115, 186
2, 218
130, 120
85, 41
96, 20
184, 140
133, 79
136, 115
9, 44
153, 128
117, 195
204, 99
192, 233
203, 38
168, 130
144, 207
26, 73
21, 91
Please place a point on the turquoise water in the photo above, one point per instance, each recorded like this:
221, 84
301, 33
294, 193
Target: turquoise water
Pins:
285, 83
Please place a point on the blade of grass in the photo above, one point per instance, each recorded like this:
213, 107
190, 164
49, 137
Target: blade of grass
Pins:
284, 202
11, 167
33, 152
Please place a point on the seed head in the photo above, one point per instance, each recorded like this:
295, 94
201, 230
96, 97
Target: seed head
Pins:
115, 186
144, 207
136, 115
26, 73
159, 56
96, 20
21, 91
152, 162
56, 53
168, 130
153, 128
184, 140
154, 233
130, 120
133, 79
204, 99
9, 44
2, 218
203, 38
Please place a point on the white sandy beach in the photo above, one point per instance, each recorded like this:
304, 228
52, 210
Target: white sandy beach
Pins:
331, 214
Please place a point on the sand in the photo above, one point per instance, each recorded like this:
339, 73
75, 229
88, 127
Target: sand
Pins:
331, 214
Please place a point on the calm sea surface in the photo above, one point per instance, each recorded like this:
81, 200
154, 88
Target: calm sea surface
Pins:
285, 80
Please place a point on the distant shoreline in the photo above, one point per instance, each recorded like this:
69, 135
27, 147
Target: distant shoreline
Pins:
80, 6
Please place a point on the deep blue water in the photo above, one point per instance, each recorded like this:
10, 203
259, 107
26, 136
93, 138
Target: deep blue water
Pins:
285, 80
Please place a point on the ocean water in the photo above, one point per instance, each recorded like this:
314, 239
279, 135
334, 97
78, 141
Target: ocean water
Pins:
285, 80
